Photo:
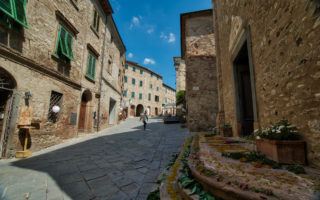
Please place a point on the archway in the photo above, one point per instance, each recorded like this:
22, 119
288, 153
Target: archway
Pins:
140, 110
156, 111
7, 86
85, 99
132, 110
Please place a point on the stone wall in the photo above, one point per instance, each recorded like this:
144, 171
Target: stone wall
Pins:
199, 56
285, 47
30, 57
180, 67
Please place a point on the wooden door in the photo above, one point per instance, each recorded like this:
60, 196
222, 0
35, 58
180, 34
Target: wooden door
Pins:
246, 103
82, 117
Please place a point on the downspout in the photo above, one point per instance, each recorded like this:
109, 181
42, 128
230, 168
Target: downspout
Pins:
101, 74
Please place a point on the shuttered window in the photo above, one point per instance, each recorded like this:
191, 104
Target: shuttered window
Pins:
15, 9
64, 44
91, 68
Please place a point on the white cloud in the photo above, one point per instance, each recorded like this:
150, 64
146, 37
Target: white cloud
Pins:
149, 61
170, 38
150, 30
130, 55
135, 21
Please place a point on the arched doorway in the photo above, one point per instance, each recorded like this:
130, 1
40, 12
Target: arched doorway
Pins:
7, 101
140, 110
156, 111
85, 99
132, 110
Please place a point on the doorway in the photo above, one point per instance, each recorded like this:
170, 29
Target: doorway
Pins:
156, 111
243, 86
112, 111
140, 110
85, 100
132, 110
7, 86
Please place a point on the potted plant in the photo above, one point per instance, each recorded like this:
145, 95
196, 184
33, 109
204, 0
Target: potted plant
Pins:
227, 130
282, 143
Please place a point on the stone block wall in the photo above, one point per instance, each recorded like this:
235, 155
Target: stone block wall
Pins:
285, 49
201, 84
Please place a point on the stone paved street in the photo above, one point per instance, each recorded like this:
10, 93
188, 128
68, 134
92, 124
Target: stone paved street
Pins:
122, 162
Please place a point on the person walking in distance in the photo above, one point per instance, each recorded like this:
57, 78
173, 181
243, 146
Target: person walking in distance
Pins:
144, 119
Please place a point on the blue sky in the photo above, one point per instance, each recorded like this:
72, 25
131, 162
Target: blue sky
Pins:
150, 30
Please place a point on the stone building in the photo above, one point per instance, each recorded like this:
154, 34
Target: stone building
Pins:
269, 66
142, 90
180, 67
169, 100
52, 54
112, 77
198, 52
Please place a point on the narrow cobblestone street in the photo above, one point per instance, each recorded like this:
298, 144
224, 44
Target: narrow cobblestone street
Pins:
122, 162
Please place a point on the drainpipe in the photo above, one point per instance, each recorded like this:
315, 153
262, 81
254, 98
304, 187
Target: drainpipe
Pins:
101, 75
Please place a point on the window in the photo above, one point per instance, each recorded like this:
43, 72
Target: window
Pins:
141, 84
125, 79
16, 10
140, 96
151, 75
96, 21
141, 71
132, 95
11, 34
133, 69
64, 44
157, 88
156, 98
91, 66
151, 86
126, 66
125, 93
109, 69
149, 97
55, 100
133, 81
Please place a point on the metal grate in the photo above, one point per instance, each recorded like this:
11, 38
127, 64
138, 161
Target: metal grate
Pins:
55, 100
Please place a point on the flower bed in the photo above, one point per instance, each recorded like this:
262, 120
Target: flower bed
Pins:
247, 179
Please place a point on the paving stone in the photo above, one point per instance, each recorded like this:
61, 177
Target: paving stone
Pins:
131, 190
113, 166
93, 174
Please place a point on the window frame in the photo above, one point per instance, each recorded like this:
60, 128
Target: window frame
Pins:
91, 67
96, 20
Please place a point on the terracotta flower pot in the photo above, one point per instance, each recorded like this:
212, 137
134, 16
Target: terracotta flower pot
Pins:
286, 152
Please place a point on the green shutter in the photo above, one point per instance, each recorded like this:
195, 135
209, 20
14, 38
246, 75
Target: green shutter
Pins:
64, 43
16, 9
7, 7
91, 68
20, 12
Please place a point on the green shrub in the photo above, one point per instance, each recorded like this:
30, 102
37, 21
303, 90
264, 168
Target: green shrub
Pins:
181, 97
